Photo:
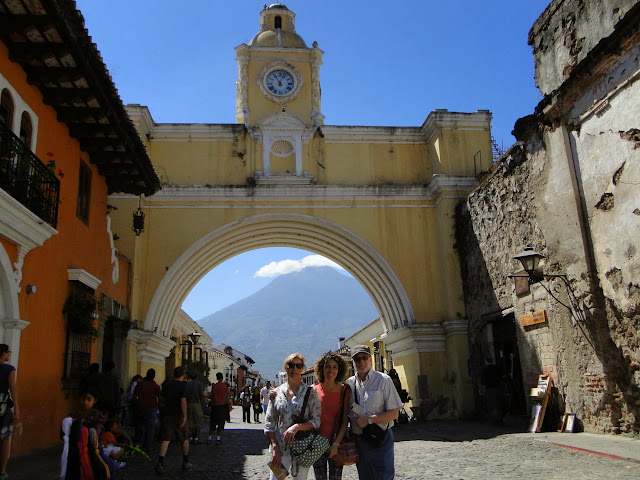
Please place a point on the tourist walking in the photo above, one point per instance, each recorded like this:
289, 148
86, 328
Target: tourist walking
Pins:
146, 395
245, 401
280, 426
195, 399
220, 405
264, 394
173, 419
257, 404
331, 370
376, 404
9, 406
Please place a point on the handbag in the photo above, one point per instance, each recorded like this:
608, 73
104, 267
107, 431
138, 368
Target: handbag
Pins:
372, 433
307, 446
306, 451
347, 451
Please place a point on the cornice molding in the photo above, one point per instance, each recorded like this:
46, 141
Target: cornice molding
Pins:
20, 226
84, 277
364, 134
457, 326
416, 338
302, 189
445, 120
23, 228
188, 132
140, 115
15, 324
152, 348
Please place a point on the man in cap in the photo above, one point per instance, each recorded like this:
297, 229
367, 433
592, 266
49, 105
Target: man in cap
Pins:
377, 407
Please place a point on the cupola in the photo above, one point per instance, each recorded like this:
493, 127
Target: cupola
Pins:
277, 29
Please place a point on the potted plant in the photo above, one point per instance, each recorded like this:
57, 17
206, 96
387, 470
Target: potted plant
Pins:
79, 309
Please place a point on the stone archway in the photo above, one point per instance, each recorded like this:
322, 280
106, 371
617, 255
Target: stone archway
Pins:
277, 230
11, 325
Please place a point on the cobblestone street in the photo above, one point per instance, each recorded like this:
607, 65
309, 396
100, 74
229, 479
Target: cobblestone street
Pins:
443, 450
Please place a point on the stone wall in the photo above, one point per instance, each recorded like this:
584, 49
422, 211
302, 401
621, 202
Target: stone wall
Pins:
569, 188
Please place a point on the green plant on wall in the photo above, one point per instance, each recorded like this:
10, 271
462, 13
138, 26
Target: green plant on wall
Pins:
79, 309
202, 369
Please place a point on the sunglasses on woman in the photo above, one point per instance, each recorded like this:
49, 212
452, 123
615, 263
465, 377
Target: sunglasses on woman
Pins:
295, 365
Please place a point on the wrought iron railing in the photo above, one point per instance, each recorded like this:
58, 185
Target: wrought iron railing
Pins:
27, 179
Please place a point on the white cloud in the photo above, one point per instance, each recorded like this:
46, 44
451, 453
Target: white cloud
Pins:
236, 272
290, 266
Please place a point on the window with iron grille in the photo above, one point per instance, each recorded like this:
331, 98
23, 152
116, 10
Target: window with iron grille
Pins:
77, 356
84, 193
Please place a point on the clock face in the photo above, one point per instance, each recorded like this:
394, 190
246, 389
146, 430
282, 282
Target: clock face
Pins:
279, 82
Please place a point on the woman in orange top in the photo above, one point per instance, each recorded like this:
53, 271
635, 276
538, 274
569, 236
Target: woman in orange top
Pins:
331, 370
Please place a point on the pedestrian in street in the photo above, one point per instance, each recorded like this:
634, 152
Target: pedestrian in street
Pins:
129, 418
195, 399
220, 404
9, 406
109, 402
375, 406
173, 420
264, 394
281, 426
245, 401
256, 402
146, 395
331, 370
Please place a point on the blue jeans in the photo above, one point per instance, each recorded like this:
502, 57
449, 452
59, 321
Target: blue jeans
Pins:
375, 463
147, 421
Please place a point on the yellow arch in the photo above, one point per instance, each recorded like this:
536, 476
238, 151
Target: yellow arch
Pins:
278, 230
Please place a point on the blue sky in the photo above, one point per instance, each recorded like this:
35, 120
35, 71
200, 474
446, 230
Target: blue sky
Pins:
385, 63
245, 274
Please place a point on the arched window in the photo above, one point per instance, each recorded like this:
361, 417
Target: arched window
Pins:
6, 109
278, 21
26, 129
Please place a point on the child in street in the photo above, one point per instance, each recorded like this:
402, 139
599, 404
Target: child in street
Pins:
83, 455
111, 447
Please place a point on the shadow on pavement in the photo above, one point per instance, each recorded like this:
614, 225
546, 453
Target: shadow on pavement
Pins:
451, 431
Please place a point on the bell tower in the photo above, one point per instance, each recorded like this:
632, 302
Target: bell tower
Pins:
278, 96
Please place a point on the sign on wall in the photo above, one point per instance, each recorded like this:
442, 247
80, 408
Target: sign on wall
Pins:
533, 318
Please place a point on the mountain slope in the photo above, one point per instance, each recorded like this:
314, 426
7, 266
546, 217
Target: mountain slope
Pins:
304, 311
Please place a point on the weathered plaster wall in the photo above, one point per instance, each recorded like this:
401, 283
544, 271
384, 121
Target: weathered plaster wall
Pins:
570, 190
566, 32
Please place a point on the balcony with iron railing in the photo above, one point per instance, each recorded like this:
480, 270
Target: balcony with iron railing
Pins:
27, 179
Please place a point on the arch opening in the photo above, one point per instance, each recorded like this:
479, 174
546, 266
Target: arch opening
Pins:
332, 241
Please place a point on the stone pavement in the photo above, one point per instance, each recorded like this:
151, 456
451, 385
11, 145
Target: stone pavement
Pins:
435, 449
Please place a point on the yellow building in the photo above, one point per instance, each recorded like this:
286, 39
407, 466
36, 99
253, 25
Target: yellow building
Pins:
377, 200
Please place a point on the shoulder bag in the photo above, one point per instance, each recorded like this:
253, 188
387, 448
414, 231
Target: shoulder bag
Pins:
347, 451
308, 448
372, 433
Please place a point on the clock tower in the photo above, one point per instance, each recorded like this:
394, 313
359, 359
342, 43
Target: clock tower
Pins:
278, 93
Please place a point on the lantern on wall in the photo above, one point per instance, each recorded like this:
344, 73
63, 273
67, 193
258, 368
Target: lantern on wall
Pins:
138, 218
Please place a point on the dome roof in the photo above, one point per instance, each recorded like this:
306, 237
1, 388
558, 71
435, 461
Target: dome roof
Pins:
272, 38
277, 5
277, 24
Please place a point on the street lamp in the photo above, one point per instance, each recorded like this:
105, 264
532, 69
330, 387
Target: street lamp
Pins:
530, 260
195, 337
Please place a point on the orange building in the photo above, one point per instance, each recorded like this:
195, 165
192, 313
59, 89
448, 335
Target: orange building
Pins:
66, 142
